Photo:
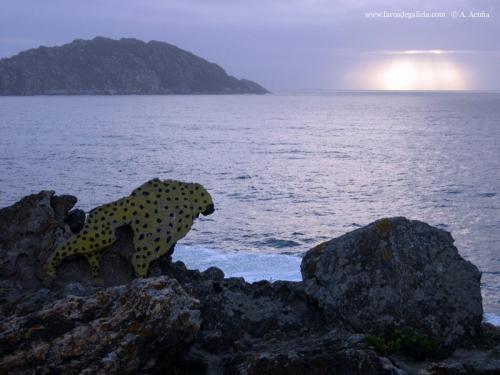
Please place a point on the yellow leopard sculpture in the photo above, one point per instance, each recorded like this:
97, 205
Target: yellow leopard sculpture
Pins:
159, 213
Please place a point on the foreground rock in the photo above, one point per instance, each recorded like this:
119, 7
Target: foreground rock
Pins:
268, 328
190, 322
121, 330
397, 273
29, 230
34, 226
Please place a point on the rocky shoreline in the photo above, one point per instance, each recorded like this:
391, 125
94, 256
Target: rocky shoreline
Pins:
394, 297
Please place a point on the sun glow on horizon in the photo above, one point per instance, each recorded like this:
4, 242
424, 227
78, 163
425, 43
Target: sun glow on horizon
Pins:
403, 74
413, 70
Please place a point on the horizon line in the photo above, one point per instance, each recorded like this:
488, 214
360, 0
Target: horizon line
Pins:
326, 91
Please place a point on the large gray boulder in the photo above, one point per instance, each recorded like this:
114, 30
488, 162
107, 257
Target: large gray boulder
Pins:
396, 273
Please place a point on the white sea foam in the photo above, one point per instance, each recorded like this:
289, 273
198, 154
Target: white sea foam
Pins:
492, 319
251, 266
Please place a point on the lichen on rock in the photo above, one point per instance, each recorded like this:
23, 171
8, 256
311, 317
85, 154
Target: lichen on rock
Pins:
115, 330
397, 273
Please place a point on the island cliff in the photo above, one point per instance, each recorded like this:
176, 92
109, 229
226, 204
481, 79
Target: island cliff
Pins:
104, 66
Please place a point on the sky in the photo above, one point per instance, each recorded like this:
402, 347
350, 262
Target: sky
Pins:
290, 45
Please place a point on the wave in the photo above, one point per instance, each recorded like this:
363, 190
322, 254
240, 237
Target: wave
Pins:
276, 243
492, 318
251, 266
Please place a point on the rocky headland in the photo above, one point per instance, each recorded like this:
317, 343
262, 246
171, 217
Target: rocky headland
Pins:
104, 66
393, 297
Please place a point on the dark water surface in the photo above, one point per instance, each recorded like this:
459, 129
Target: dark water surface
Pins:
286, 172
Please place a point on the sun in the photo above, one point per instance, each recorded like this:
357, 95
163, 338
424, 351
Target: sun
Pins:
417, 71
399, 75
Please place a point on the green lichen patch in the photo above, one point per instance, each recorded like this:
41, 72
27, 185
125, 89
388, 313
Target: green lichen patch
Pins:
383, 227
406, 341
386, 254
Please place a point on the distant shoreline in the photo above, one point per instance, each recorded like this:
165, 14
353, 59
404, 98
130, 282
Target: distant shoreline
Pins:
123, 66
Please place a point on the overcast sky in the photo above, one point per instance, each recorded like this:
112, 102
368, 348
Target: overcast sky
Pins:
287, 44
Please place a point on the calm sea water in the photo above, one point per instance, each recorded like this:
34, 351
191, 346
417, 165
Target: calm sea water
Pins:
285, 172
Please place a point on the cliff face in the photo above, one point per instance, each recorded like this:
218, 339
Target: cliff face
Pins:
107, 66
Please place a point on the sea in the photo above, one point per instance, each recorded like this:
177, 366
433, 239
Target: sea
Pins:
286, 171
